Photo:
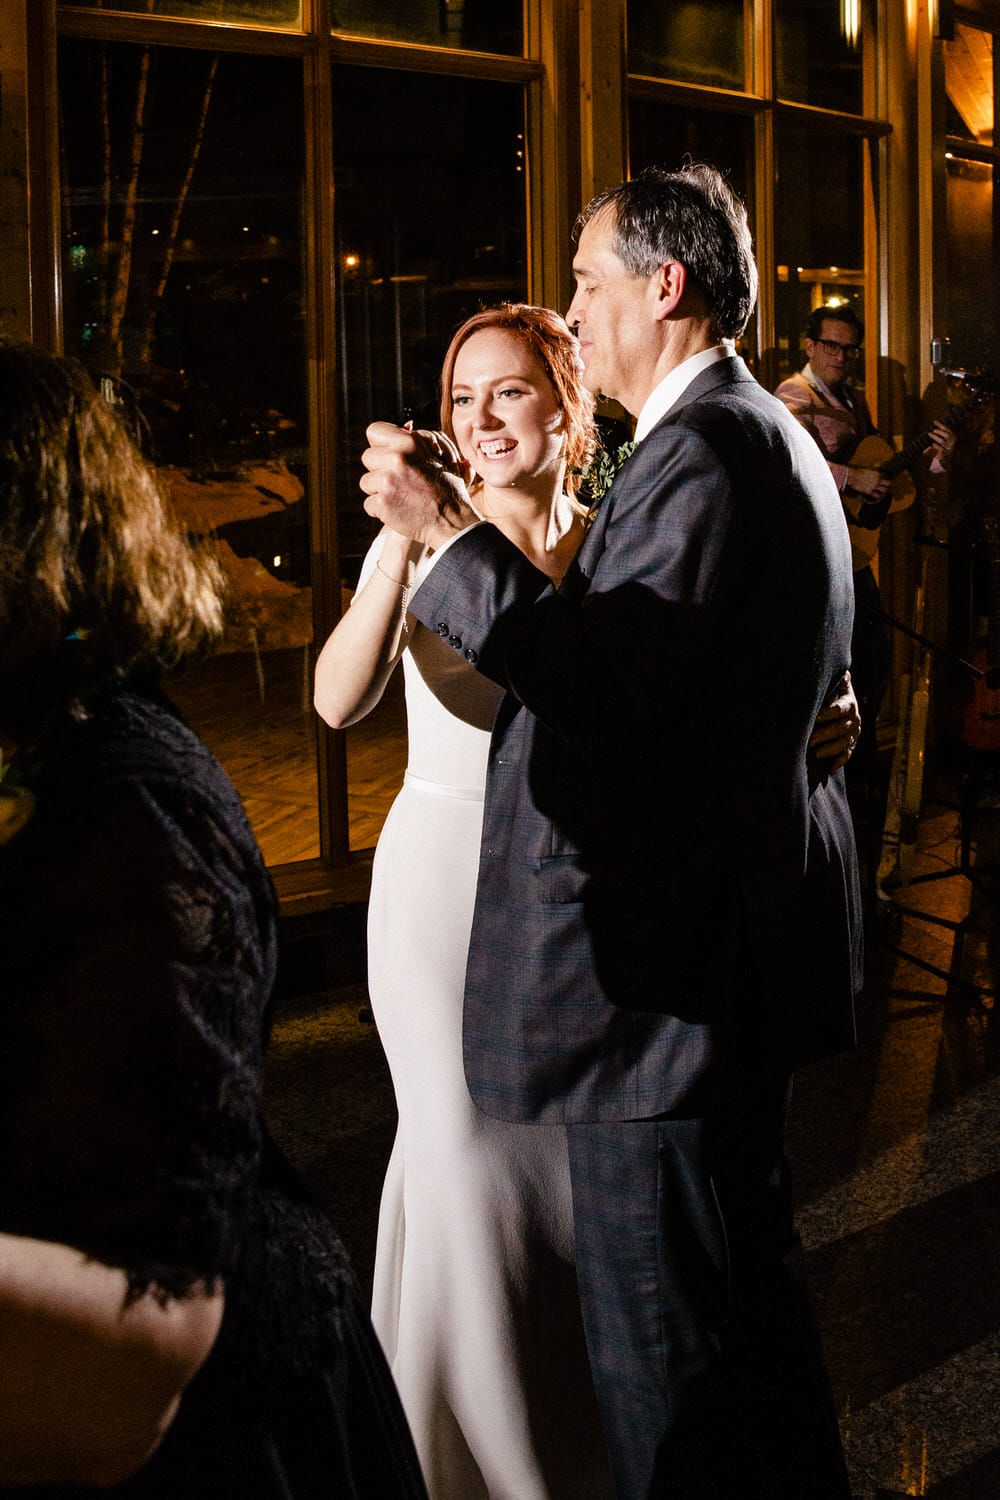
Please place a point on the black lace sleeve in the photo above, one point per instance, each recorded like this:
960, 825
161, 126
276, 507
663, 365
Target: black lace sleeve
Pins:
136, 955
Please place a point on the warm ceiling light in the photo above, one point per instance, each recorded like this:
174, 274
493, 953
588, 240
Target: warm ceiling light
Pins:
850, 21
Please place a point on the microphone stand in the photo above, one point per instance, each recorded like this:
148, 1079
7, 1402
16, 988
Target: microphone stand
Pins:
976, 993
934, 647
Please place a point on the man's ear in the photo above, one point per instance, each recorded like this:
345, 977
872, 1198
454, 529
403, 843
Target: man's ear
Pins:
670, 282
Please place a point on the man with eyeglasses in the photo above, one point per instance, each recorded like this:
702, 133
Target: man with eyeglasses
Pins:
822, 398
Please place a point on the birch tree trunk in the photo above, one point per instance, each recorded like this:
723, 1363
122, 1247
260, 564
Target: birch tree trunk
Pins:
173, 234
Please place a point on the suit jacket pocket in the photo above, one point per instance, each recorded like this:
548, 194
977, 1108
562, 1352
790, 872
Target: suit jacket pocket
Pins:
560, 880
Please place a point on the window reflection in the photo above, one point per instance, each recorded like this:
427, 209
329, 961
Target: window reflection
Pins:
972, 309
819, 233
476, 25
661, 135
284, 13
183, 294
694, 41
971, 212
818, 53
423, 240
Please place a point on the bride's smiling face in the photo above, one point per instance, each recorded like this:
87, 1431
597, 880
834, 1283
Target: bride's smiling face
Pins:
507, 421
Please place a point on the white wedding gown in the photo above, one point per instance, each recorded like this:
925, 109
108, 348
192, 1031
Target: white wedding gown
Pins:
475, 1296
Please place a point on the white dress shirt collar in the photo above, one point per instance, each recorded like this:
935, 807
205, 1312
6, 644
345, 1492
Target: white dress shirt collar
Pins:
663, 396
836, 398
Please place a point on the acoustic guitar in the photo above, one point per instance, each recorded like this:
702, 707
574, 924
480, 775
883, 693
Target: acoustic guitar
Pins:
980, 720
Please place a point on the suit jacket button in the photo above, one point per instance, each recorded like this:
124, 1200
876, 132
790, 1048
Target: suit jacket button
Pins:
441, 627
456, 641
472, 656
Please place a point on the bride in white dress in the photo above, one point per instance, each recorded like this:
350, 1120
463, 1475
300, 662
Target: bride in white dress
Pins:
475, 1296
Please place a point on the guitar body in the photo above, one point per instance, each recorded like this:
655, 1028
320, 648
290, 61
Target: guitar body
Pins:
979, 725
873, 452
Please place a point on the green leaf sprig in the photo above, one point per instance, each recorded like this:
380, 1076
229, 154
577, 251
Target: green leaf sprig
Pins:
601, 472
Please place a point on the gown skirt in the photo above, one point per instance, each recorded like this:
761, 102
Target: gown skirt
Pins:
475, 1296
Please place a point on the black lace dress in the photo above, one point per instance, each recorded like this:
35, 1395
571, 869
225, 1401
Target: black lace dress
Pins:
137, 950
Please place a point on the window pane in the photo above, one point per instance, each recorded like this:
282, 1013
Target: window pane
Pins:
818, 53
968, 75
285, 13
972, 303
662, 135
417, 254
183, 293
702, 42
819, 233
477, 25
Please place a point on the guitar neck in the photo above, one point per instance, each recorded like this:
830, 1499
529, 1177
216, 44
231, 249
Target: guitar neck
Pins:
908, 456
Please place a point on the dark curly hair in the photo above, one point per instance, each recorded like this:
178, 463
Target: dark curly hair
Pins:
845, 314
98, 582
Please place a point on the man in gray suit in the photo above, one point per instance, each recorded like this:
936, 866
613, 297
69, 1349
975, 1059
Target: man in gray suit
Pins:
667, 911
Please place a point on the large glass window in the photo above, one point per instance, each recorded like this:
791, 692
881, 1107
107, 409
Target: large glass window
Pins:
818, 53
973, 324
970, 229
662, 135
693, 41
819, 232
971, 165
182, 234
189, 228
432, 245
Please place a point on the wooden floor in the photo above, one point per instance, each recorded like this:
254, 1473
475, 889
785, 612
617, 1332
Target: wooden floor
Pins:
263, 730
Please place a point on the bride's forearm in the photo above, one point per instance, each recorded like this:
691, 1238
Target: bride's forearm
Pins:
361, 653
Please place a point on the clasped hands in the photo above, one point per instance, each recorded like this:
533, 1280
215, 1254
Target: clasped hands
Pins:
415, 483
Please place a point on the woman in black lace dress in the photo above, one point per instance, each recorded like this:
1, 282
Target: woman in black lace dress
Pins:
153, 1242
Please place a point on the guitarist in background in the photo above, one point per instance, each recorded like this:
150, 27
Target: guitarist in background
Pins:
822, 398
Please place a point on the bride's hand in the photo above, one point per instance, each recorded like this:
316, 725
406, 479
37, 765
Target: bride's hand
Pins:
443, 450
837, 727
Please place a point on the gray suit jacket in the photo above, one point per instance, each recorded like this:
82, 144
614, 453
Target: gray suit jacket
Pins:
665, 875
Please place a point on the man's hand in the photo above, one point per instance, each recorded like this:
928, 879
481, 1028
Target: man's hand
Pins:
871, 483
414, 483
837, 727
942, 443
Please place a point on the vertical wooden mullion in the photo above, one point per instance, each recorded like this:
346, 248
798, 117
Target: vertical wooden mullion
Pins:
603, 96
551, 198
764, 178
44, 203
320, 307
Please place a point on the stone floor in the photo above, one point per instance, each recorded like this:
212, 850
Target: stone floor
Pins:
896, 1153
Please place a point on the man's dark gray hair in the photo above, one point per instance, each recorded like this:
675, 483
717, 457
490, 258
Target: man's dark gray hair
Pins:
692, 216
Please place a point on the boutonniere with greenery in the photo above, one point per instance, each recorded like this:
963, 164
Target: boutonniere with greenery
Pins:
601, 472
17, 800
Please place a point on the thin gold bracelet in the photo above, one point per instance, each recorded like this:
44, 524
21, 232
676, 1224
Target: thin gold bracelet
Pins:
404, 595
404, 586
